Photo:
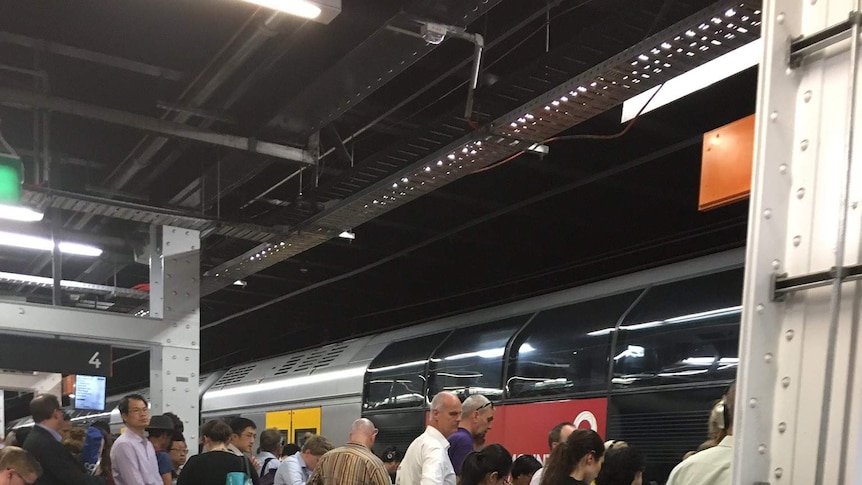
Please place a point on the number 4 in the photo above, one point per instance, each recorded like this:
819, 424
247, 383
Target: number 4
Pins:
94, 361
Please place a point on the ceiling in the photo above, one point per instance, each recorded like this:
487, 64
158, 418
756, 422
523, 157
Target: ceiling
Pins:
379, 102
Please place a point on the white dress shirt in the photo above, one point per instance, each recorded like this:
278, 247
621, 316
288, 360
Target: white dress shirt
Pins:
708, 467
537, 477
426, 461
293, 471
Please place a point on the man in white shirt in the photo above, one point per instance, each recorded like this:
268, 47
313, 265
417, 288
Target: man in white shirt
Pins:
296, 469
713, 465
426, 461
558, 434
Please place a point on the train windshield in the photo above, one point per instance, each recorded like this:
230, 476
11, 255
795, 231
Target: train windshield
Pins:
396, 377
471, 359
681, 332
565, 350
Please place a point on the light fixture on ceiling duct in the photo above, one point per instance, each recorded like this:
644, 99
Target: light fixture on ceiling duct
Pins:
44, 244
322, 11
347, 235
11, 177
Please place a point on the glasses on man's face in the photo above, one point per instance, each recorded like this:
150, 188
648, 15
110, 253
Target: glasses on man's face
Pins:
182, 451
139, 411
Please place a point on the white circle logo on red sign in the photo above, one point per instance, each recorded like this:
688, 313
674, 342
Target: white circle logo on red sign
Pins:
588, 418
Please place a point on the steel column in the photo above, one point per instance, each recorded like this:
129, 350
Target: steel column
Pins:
175, 298
798, 394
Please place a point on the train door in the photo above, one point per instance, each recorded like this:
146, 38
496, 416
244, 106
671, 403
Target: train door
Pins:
295, 425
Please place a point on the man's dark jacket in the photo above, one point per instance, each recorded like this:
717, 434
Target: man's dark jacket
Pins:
59, 467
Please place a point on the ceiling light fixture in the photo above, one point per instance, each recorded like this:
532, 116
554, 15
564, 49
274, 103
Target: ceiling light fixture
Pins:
45, 244
323, 11
696, 79
19, 213
347, 235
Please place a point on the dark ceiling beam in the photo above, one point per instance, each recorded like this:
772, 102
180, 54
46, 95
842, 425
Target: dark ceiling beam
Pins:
19, 98
92, 56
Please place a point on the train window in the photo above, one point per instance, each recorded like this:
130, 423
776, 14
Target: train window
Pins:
565, 350
396, 377
471, 359
681, 332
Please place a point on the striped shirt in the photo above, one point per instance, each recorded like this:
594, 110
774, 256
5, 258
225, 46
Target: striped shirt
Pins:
351, 464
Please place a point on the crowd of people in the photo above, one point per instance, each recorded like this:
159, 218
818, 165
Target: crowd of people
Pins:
451, 451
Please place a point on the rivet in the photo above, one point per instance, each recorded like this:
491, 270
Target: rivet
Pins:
776, 264
187, 389
813, 2
168, 243
807, 96
759, 308
168, 372
188, 326
752, 402
800, 193
20, 311
779, 472
175, 325
797, 240
188, 294
168, 308
782, 427
780, 18
788, 335
173, 389
193, 374
187, 233
168, 275
773, 116
174, 293
782, 168
767, 213
803, 145
193, 406
854, 205
169, 340
761, 449
173, 357
194, 343
187, 359
173, 231
785, 382
767, 358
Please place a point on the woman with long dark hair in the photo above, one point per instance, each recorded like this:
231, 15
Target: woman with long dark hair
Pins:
491, 466
622, 466
576, 461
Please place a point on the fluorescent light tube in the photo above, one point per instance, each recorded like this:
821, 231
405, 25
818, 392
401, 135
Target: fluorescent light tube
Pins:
347, 235
698, 78
44, 244
300, 8
19, 213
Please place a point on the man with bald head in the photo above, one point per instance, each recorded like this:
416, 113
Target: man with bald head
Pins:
477, 412
558, 435
353, 463
426, 461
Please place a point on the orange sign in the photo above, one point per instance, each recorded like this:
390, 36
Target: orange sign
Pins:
728, 153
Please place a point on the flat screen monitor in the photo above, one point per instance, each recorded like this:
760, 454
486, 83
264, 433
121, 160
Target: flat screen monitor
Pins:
90, 392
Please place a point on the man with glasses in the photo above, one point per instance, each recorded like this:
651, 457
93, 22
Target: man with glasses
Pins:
477, 412
43, 443
17, 467
133, 458
179, 452
353, 463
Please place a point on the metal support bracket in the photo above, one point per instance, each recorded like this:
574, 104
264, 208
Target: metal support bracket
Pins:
783, 285
804, 46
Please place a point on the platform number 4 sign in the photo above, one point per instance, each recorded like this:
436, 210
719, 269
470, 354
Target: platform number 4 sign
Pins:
94, 360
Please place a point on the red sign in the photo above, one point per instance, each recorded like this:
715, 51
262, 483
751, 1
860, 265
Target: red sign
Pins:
523, 428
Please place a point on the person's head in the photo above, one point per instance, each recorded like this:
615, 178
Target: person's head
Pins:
290, 449
270, 441
391, 458
559, 434
313, 448
244, 434
160, 431
363, 432
580, 456
74, 440
18, 467
726, 408
102, 426
215, 433
523, 469
11, 438
491, 466
135, 412
477, 412
622, 466
179, 451
178, 423
65, 426
445, 413
45, 410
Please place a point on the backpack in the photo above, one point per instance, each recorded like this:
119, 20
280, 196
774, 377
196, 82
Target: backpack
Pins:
239, 478
267, 477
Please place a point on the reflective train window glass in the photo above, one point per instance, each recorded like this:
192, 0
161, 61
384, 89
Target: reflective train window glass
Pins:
471, 359
565, 350
682, 332
396, 377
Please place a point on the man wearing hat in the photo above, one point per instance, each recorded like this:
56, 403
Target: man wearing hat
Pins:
160, 433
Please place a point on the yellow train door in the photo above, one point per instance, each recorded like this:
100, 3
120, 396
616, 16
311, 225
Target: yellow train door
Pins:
295, 424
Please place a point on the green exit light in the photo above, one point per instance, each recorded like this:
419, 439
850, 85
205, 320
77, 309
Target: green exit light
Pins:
11, 171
